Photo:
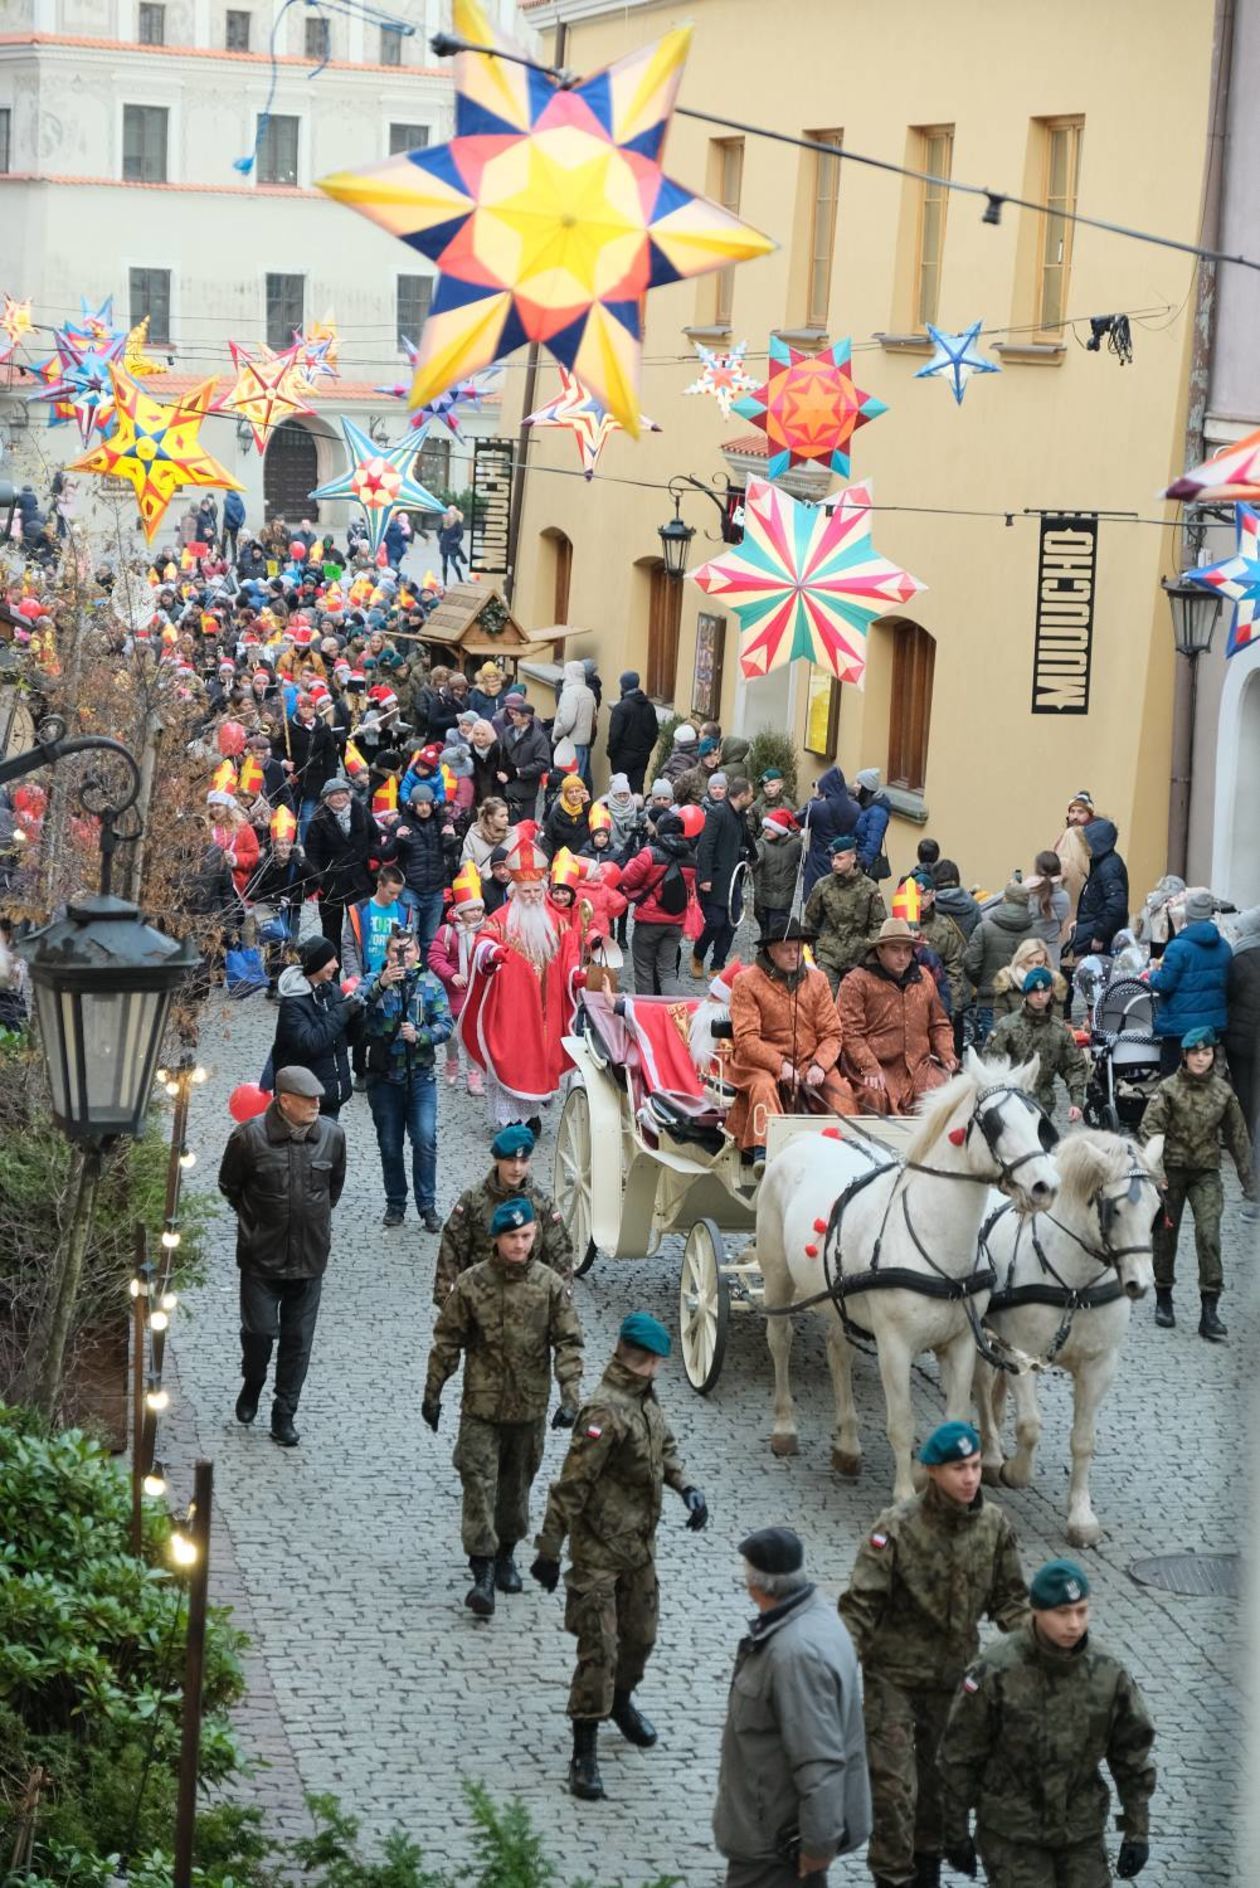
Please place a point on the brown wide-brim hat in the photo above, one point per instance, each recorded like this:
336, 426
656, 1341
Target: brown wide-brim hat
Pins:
893, 931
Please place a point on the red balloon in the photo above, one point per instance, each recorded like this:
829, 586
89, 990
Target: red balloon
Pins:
297, 551
248, 1100
692, 818
231, 738
31, 608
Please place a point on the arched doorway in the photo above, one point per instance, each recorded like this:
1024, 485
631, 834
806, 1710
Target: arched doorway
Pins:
290, 474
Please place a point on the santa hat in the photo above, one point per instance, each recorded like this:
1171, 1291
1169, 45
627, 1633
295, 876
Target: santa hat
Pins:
565, 870
382, 697
430, 755
466, 887
318, 692
283, 824
781, 820
341, 669
262, 675
599, 819
720, 985
526, 861
907, 901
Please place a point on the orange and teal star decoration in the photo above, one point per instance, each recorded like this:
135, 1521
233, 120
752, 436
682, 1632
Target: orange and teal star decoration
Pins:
15, 325
381, 479
578, 411
806, 581
1237, 579
956, 358
266, 392
549, 216
723, 375
156, 448
809, 408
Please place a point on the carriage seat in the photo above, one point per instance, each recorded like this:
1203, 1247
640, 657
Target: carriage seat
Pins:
692, 1131
644, 1049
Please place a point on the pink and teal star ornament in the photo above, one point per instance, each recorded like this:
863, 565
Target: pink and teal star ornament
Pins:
806, 582
723, 375
956, 359
809, 407
1237, 579
83, 390
379, 478
577, 411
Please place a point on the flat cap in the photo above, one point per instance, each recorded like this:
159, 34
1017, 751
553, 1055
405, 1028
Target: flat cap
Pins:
510, 1216
773, 1550
1058, 1583
298, 1081
952, 1442
338, 784
509, 1142
646, 1331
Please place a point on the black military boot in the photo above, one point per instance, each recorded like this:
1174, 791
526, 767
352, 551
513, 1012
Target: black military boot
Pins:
479, 1598
630, 1721
927, 1871
282, 1430
1164, 1315
248, 1400
506, 1574
584, 1778
1210, 1325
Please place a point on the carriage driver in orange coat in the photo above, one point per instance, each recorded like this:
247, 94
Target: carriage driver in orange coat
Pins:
786, 1038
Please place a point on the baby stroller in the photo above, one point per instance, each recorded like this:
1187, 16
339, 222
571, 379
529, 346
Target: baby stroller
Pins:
1123, 1051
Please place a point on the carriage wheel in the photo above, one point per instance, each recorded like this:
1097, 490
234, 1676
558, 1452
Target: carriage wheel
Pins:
572, 1177
704, 1306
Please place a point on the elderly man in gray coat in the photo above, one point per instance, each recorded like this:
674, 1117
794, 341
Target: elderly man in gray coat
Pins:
793, 1791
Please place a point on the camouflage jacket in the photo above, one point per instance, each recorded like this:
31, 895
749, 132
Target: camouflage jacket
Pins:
1027, 1731
1195, 1113
1026, 1033
947, 941
466, 1235
607, 1498
846, 913
508, 1321
925, 1577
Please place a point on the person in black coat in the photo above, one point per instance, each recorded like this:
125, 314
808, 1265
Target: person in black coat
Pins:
633, 731
316, 1023
833, 813
340, 842
723, 843
311, 745
425, 846
1242, 1033
1104, 906
528, 754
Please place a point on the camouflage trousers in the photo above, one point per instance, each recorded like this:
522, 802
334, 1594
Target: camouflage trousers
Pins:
1202, 1188
1023, 1865
497, 1463
613, 1618
903, 1730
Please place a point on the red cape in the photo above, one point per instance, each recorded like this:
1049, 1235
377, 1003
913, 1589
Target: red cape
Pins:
513, 1020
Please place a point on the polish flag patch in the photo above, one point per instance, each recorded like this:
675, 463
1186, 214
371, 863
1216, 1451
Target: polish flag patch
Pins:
879, 1538
970, 1684
594, 1431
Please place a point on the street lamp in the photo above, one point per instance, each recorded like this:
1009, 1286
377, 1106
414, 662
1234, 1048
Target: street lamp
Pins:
1195, 614
676, 536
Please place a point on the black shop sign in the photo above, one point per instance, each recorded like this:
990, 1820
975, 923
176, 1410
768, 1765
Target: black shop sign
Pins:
1067, 564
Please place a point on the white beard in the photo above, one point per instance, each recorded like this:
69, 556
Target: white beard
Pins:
704, 1045
531, 930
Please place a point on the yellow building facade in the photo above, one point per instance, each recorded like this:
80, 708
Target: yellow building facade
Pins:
973, 705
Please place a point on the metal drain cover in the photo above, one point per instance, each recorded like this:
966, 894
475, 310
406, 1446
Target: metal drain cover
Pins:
1203, 1576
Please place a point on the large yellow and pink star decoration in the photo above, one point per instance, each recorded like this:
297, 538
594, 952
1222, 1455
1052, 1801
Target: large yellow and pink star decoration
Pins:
809, 408
381, 479
266, 392
806, 581
549, 216
156, 448
580, 413
15, 324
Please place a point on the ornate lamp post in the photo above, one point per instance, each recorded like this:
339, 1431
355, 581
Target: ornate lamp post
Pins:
1195, 614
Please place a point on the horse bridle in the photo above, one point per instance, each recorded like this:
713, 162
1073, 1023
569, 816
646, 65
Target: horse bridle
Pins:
1108, 1204
1047, 1135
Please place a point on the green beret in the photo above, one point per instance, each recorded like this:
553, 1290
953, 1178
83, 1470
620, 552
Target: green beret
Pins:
1058, 1583
772, 773
1039, 978
509, 1142
952, 1442
1202, 1038
646, 1332
511, 1216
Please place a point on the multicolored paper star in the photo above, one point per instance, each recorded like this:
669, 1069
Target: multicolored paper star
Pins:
724, 375
266, 392
956, 357
549, 216
809, 407
806, 581
1237, 579
379, 478
135, 361
319, 350
1232, 473
15, 323
84, 392
445, 408
157, 448
578, 411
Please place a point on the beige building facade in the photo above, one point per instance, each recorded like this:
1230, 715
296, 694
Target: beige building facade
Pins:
991, 701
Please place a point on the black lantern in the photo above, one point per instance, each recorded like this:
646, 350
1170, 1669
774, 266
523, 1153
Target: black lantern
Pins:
1195, 614
676, 542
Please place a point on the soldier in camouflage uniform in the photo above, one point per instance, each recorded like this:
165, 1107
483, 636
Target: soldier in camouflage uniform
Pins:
930, 1570
1029, 1726
509, 1317
846, 909
1034, 1029
466, 1235
1196, 1111
607, 1500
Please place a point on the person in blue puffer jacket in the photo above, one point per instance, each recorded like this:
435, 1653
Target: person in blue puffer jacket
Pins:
1191, 978
873, 817
832, 813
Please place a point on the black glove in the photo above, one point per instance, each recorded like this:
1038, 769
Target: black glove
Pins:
432, 1413
1132, 1858
546, 1572
961, 1856
697, 1509
564, 1417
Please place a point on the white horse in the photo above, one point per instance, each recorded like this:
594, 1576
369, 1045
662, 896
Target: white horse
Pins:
828, 1210
1065, 1282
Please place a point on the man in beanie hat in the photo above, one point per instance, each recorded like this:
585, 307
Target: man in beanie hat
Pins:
340, 841
1034, 1030
607, 1501
872, 825
898, 1042
509, 1318
314, 1020
785, 1039
466, 1237
633, 731
846, 909
930, 1570
792, 1790
1030, 1727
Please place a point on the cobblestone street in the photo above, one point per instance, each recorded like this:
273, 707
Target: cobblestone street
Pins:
342, 1557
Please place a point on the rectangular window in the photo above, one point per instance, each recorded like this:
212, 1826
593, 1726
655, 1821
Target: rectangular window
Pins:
433, 466
237, 39
910, 714
936, 156
318, 38
151, 24
1062, 171
144, 144
278, 151
6, 139
391, 47
407, 138
730, 178
286, 309
822, 228
150, 294
664, 615
415, 292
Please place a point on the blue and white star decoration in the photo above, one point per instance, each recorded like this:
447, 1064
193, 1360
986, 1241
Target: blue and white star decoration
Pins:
1237, 579
957, 358
380, 478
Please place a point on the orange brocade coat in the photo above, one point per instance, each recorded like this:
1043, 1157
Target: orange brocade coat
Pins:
895, 1029
772, 1024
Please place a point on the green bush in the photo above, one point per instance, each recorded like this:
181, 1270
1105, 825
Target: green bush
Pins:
664, 748
770, 749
